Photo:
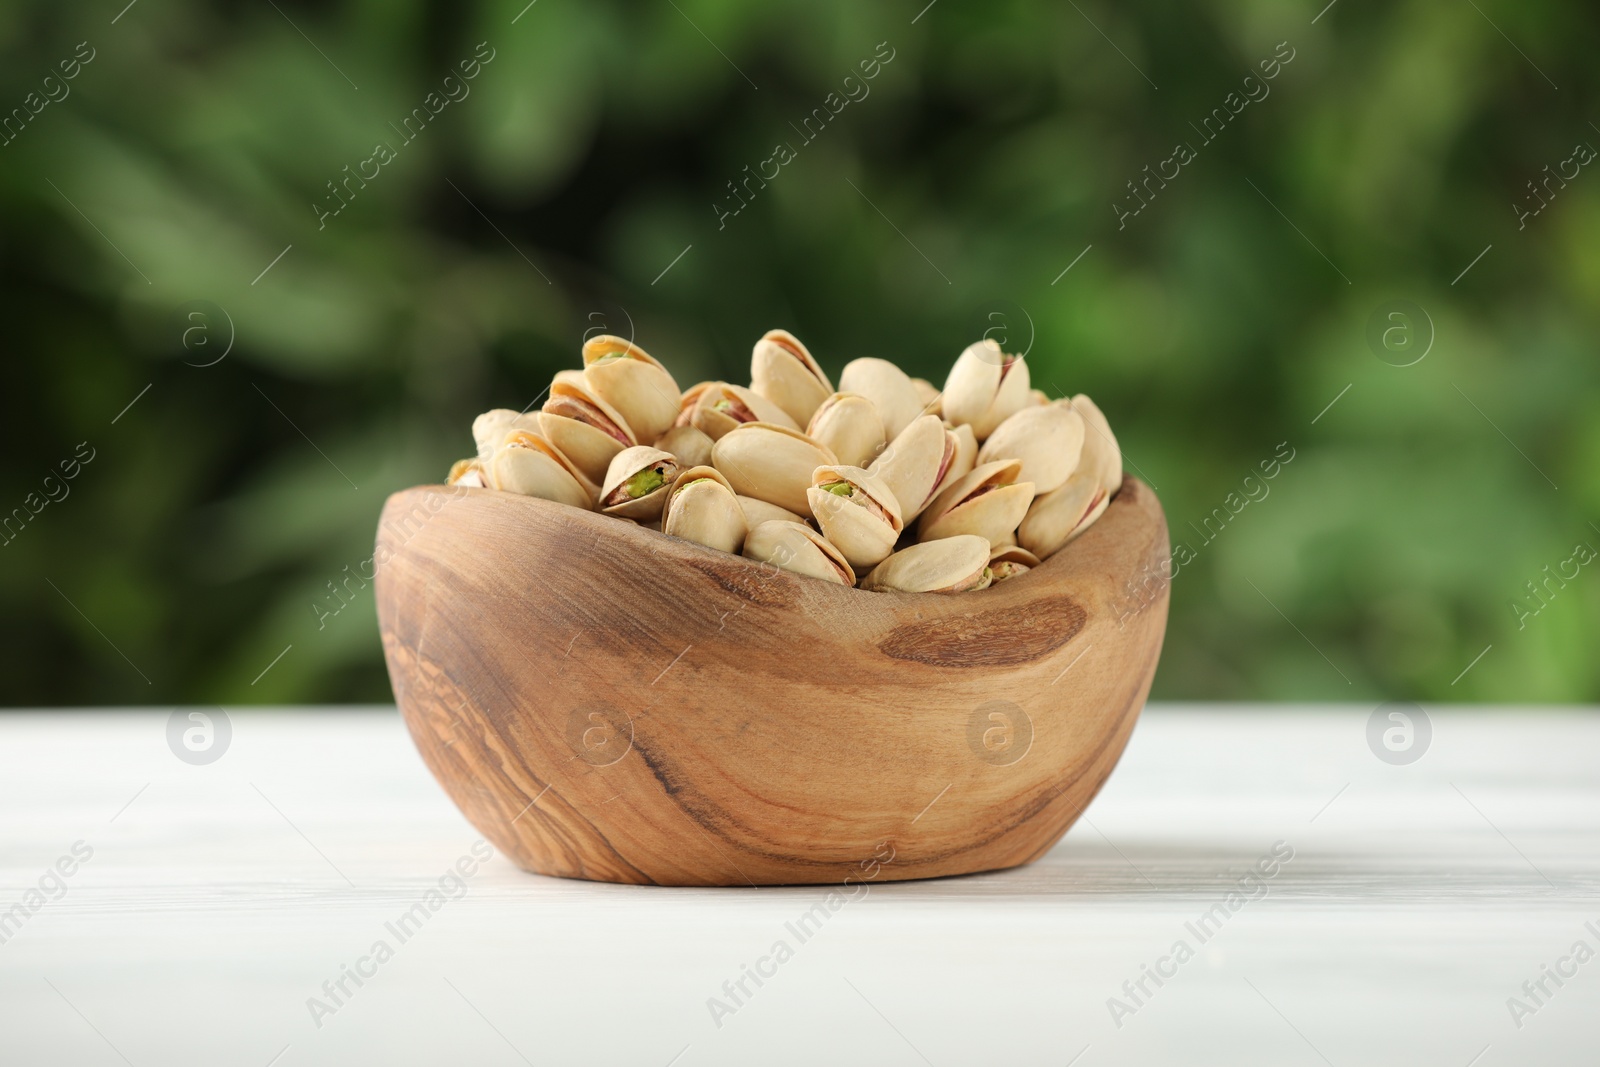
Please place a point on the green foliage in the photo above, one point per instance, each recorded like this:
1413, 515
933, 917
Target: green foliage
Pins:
598, 143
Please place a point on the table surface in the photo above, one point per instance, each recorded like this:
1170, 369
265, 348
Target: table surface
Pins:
212, 912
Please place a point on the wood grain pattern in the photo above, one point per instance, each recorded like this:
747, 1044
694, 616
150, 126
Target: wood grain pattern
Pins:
608, 703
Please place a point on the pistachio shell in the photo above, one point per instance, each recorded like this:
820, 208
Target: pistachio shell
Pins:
637, 482
782, 370
1008, 561
633, 382
1058, 517
701, 507
1100, 446
468, 473
932, 399
889, 389
528, 464
915, 462
771, 463
863, 522
948, 565
692, 447
849, 425
1038, 397
797, 547
723, 407
587, 430
962, 461
686, 402
1046, 440
490, 428
989, 502
757, 512
985, 387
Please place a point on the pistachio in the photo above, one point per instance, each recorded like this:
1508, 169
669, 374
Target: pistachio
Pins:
849, 425
916, 462
797, 547
985, 387
633, 382
686, 402
990, 502
1061, 515
692, 447
888, 387
467, 472
1099, 444
1038, 397
757, 512
948, 565
771, 463
637, 482
1008, 561
962, 459
782, 370
490, 428
1046, 440
528, 464
587, 430
701, 507
932, 399
722, 407
856, 511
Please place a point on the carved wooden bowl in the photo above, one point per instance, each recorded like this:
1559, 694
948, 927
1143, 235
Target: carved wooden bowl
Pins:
606, 702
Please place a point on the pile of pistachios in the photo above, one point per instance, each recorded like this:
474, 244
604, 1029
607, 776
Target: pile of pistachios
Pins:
887, 482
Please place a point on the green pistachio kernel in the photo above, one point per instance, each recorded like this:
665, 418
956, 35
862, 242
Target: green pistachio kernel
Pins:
837, 488
645, 482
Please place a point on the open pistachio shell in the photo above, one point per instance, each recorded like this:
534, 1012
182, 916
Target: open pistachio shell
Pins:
849, 425
637, 482
1046, 440
797, 547
632, 381
686, 403
782, 370
1059, 516
916, 462
888, 387
701, 507
949, 565
468, 473
985, 387
528, 464
856, 511
771, 463
1008, 561
962, 459
932, 399
1100, 446
692, 447
587, 430
757, 512
490, 428
722, 407
989, 502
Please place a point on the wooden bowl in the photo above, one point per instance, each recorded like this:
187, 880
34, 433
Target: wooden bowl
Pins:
606, 702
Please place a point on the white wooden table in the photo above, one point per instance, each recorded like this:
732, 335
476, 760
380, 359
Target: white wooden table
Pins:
219, 899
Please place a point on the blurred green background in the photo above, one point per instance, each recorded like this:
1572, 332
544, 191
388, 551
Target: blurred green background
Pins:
165, 201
